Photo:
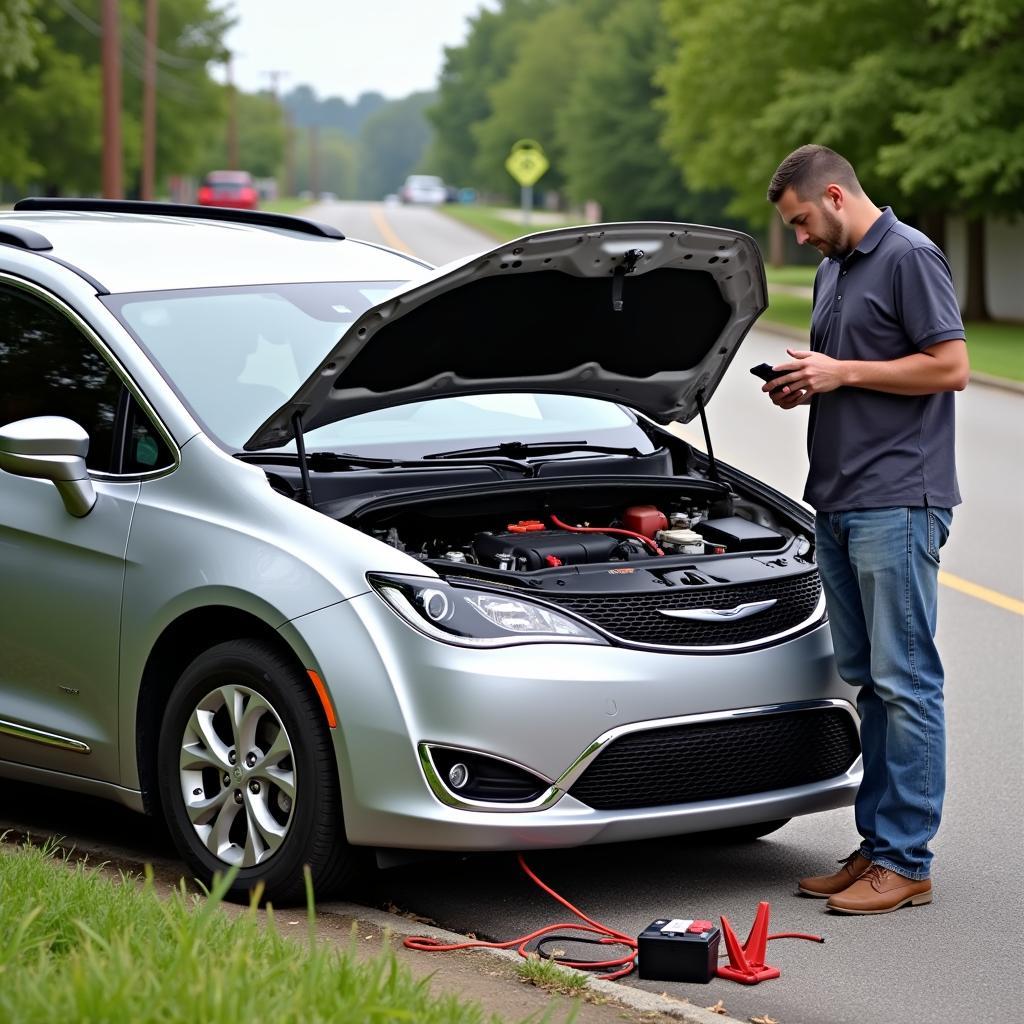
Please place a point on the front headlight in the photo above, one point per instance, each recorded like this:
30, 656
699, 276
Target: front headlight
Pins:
478, 618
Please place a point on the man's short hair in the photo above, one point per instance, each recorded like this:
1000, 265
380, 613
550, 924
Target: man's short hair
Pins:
809, 169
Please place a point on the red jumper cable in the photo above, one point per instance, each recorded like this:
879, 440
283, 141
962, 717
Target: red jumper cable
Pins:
617, 967
607, 529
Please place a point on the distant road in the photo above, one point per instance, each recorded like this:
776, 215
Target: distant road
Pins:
418, 230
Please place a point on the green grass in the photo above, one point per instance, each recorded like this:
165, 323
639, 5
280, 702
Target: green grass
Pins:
76, 946
488, 220
548, 975
287, 204
994, 348
790, 310
791, 275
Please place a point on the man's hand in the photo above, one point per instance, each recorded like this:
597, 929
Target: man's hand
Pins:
940, 367
811, 373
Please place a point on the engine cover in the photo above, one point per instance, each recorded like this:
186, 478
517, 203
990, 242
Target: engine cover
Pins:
537, 548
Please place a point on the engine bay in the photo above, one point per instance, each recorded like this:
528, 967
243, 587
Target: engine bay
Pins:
548, 530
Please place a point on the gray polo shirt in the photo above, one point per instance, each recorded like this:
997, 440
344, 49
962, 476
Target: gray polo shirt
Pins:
890, 297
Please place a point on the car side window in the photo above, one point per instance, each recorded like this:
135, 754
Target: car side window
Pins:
49, 368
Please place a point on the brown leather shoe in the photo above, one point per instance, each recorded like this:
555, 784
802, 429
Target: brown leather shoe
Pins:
879, 890
823, 886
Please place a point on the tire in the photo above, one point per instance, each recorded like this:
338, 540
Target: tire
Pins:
745, 833
248, 777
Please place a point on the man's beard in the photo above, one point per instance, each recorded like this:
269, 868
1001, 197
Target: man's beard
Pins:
834, 240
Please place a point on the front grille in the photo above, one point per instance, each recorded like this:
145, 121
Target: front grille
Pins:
719, 759
635, 617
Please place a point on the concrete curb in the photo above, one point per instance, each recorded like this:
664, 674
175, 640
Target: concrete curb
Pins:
633, 998
987, 379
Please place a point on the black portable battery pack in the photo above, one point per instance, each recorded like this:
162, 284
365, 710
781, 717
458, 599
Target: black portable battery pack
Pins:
735, 533
678, 951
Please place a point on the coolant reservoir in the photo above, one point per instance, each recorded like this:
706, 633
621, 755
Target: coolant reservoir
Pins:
682, 542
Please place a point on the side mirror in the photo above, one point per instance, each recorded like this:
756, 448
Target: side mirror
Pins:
50, 448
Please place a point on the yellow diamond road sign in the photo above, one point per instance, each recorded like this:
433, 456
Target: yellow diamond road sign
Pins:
527, 162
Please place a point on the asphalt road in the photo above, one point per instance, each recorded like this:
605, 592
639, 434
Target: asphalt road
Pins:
958, 959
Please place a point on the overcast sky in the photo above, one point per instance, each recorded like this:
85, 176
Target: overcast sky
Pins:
346, 47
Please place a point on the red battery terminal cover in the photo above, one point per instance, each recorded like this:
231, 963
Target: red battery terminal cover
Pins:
644, 519
700, 926
526, 526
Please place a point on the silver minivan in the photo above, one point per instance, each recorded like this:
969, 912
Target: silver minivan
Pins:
310, 547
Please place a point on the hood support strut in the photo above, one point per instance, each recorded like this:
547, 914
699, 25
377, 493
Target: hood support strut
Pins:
712, 468
306, 493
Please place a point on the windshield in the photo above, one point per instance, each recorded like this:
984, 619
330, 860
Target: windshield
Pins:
425, 428
235, 355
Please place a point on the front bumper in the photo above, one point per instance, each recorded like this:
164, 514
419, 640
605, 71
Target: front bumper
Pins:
549, 708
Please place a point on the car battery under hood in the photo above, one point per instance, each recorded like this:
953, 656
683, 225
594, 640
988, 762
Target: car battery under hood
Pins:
649, 314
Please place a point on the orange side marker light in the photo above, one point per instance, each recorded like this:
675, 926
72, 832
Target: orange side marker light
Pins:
325, 700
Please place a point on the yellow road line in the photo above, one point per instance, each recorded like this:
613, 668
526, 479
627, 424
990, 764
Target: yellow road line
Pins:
390, 238
1010, 604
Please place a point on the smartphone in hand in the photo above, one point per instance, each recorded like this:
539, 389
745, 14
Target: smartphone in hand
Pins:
765, 372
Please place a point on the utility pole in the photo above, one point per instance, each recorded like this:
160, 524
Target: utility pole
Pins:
149, 102
289, 141
232, 117
111, 58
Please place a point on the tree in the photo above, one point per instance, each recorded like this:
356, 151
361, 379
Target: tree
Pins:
961, 131
261, 136
333, 112
19, 30
469, 72
925, 98
525, 102
393, 142
336, 159
51, 109
610, 126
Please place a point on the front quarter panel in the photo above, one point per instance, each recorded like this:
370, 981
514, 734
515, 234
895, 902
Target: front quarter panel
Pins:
214, 534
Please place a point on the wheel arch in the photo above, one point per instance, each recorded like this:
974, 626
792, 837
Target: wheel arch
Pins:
178, 645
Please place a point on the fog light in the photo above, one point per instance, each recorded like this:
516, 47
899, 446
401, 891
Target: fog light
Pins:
458, 775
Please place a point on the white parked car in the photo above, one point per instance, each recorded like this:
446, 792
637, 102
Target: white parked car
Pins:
423, 188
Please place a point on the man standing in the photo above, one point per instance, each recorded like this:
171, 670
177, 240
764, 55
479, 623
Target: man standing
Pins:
887, 351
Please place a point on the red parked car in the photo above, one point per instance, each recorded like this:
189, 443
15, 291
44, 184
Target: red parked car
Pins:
229, 188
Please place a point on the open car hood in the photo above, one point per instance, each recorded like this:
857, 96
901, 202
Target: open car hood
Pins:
645, 313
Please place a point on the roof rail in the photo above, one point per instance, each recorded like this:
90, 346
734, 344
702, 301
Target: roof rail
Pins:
260, 218
24, 238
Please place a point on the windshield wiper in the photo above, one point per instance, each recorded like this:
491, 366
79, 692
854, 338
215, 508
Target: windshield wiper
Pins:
324, 462
336, 462
522, 450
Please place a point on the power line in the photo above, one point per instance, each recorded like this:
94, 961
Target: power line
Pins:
133, 37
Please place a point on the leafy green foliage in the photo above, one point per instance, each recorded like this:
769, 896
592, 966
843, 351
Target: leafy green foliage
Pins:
925, 97
333, 112
469, 72
51, 109
19, 31
392, 142
525, 103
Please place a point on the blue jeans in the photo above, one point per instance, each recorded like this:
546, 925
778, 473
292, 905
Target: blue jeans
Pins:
879, 568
